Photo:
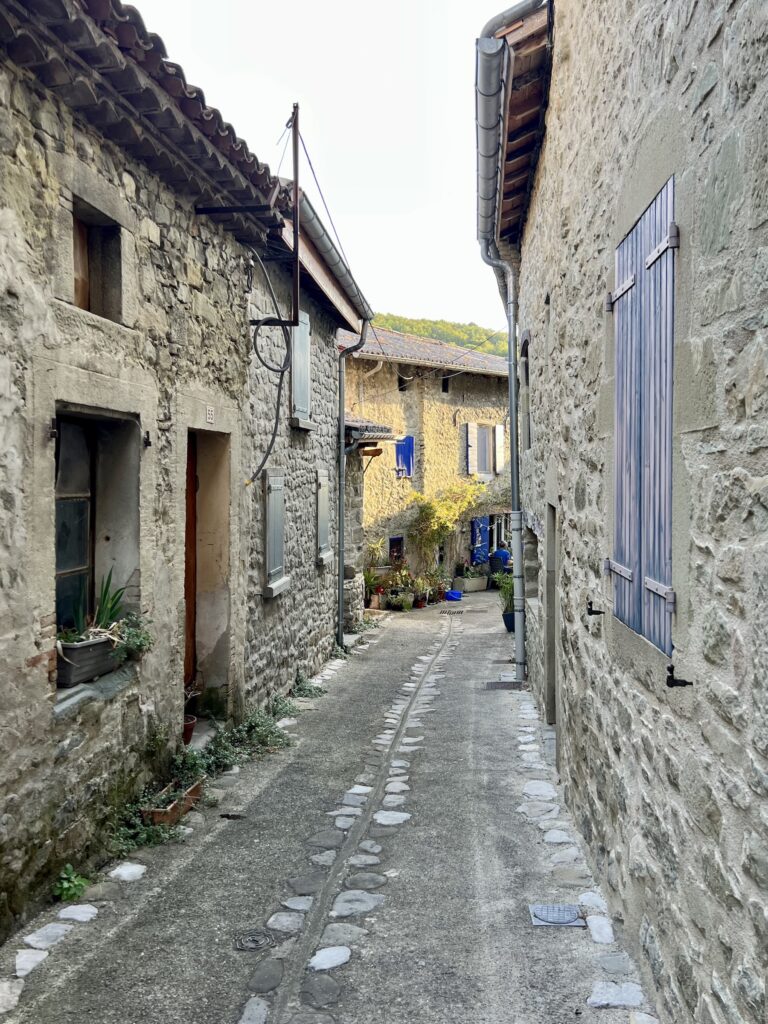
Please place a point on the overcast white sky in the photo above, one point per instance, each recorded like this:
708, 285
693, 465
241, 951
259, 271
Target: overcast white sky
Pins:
387, 113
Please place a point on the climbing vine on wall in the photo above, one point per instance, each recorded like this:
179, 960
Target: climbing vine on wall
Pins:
435, 518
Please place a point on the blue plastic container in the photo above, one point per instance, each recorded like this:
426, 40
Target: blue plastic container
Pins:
453, 595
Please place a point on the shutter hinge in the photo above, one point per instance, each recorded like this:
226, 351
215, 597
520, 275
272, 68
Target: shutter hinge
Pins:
672, 241
662, 590
609, 565
613, 297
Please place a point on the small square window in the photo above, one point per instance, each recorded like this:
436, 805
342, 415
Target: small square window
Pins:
97, 262
396, 550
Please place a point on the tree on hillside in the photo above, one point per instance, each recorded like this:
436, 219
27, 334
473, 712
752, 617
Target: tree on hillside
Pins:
481, 339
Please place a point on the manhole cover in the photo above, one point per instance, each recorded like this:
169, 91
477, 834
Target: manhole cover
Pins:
563, 915
253, 941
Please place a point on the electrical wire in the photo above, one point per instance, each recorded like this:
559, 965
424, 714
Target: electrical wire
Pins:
280, 370
322, 197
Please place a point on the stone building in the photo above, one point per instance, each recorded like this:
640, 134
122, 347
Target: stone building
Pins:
448, 410
633, 146
134, 408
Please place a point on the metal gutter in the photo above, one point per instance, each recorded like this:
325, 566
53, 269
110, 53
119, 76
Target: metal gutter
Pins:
493, 79
342, 475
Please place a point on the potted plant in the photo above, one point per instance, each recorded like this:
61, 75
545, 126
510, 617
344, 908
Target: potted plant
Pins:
421, 592
402, 602
370, 582
475, 578
190, 721
92, 647
505, 581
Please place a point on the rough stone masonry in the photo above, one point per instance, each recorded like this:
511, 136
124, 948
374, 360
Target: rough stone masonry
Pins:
669, 785
170, 355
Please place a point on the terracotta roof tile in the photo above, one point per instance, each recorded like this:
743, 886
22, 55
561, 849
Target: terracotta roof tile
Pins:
416, 351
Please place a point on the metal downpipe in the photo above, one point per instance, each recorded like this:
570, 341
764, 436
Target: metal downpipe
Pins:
342, 478
510, 269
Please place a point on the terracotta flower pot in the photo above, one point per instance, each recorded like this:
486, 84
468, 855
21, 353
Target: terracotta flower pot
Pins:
170, 815
190, 721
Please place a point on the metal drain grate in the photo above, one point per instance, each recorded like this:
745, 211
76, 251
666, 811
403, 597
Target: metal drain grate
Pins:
253, 941
477, 611
505, 684
446, 611
559, 915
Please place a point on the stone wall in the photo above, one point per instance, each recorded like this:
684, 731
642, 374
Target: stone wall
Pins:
176, 357
669, 785
437, 422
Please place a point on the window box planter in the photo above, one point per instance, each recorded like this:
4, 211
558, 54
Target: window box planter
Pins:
474, 583
170, 815
83, 661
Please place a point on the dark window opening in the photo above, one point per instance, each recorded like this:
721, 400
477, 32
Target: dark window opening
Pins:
396, 550
97, 513
97, 262
446, 383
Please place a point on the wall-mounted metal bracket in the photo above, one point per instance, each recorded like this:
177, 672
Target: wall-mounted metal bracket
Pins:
53, 430
591, 610
673, 681
147, 439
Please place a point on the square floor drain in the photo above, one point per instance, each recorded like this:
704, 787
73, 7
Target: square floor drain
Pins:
505, 684
559, 915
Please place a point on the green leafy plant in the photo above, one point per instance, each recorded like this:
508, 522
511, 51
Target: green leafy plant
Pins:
128, 830
400, 602
374, 552
69, 885
435, 518
283, 707
303, 688
505, 581
134, 639
109, 604
370, 581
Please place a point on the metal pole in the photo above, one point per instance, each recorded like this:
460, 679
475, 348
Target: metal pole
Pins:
342, 479
296, 219
510, 268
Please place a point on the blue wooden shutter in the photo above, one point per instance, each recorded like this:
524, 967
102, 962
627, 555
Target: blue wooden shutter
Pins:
404, 456
301, 381
479, 538
626, 548
274, 500
658, 296
644, 307
324, 553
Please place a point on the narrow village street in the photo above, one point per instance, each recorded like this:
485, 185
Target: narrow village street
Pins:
401, 838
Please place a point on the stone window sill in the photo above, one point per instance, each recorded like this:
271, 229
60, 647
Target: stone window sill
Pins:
68, 702
277, 587
299, 424
324, 558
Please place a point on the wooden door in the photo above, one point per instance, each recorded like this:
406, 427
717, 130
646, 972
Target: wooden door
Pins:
190, 564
